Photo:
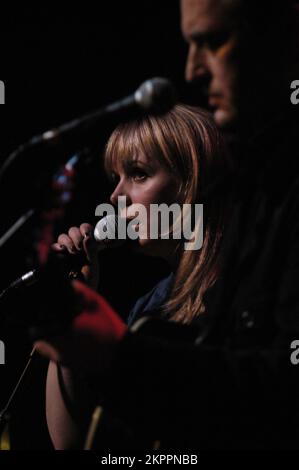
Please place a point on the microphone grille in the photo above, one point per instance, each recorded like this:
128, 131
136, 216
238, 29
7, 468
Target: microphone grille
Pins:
157, 95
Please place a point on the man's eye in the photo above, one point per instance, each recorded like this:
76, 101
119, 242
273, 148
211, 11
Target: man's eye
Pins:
215, 41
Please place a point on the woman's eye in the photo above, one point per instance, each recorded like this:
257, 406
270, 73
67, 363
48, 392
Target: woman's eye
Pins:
138, 174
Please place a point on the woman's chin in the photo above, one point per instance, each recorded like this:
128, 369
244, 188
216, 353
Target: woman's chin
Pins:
148, 247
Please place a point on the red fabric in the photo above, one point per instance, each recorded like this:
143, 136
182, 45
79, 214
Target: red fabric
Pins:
98, 316
90, 343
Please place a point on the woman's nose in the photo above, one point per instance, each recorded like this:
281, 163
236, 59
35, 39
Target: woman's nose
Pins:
115, 194
120, 190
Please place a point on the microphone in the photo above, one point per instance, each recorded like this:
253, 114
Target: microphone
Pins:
156, 95
105, 234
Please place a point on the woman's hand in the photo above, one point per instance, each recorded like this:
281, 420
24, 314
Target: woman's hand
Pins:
77, 240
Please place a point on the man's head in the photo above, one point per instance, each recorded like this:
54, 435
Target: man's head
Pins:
211, 29
244, 55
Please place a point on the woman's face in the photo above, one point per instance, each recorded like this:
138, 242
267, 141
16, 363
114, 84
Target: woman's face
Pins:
145, 181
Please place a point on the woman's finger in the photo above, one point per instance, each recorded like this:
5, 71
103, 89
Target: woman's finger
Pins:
76, 237
86, 230
66, 241
58, 247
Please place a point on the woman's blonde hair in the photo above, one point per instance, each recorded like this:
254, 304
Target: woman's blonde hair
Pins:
187, 142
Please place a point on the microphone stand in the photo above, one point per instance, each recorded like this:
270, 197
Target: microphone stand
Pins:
17, 226
63, 177
62, 187
5, 412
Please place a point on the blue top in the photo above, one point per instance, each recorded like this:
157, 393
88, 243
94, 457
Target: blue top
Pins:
151, 301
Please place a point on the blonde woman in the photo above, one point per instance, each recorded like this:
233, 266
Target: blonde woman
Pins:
167, 159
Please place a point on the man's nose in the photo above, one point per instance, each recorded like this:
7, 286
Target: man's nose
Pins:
196, 65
